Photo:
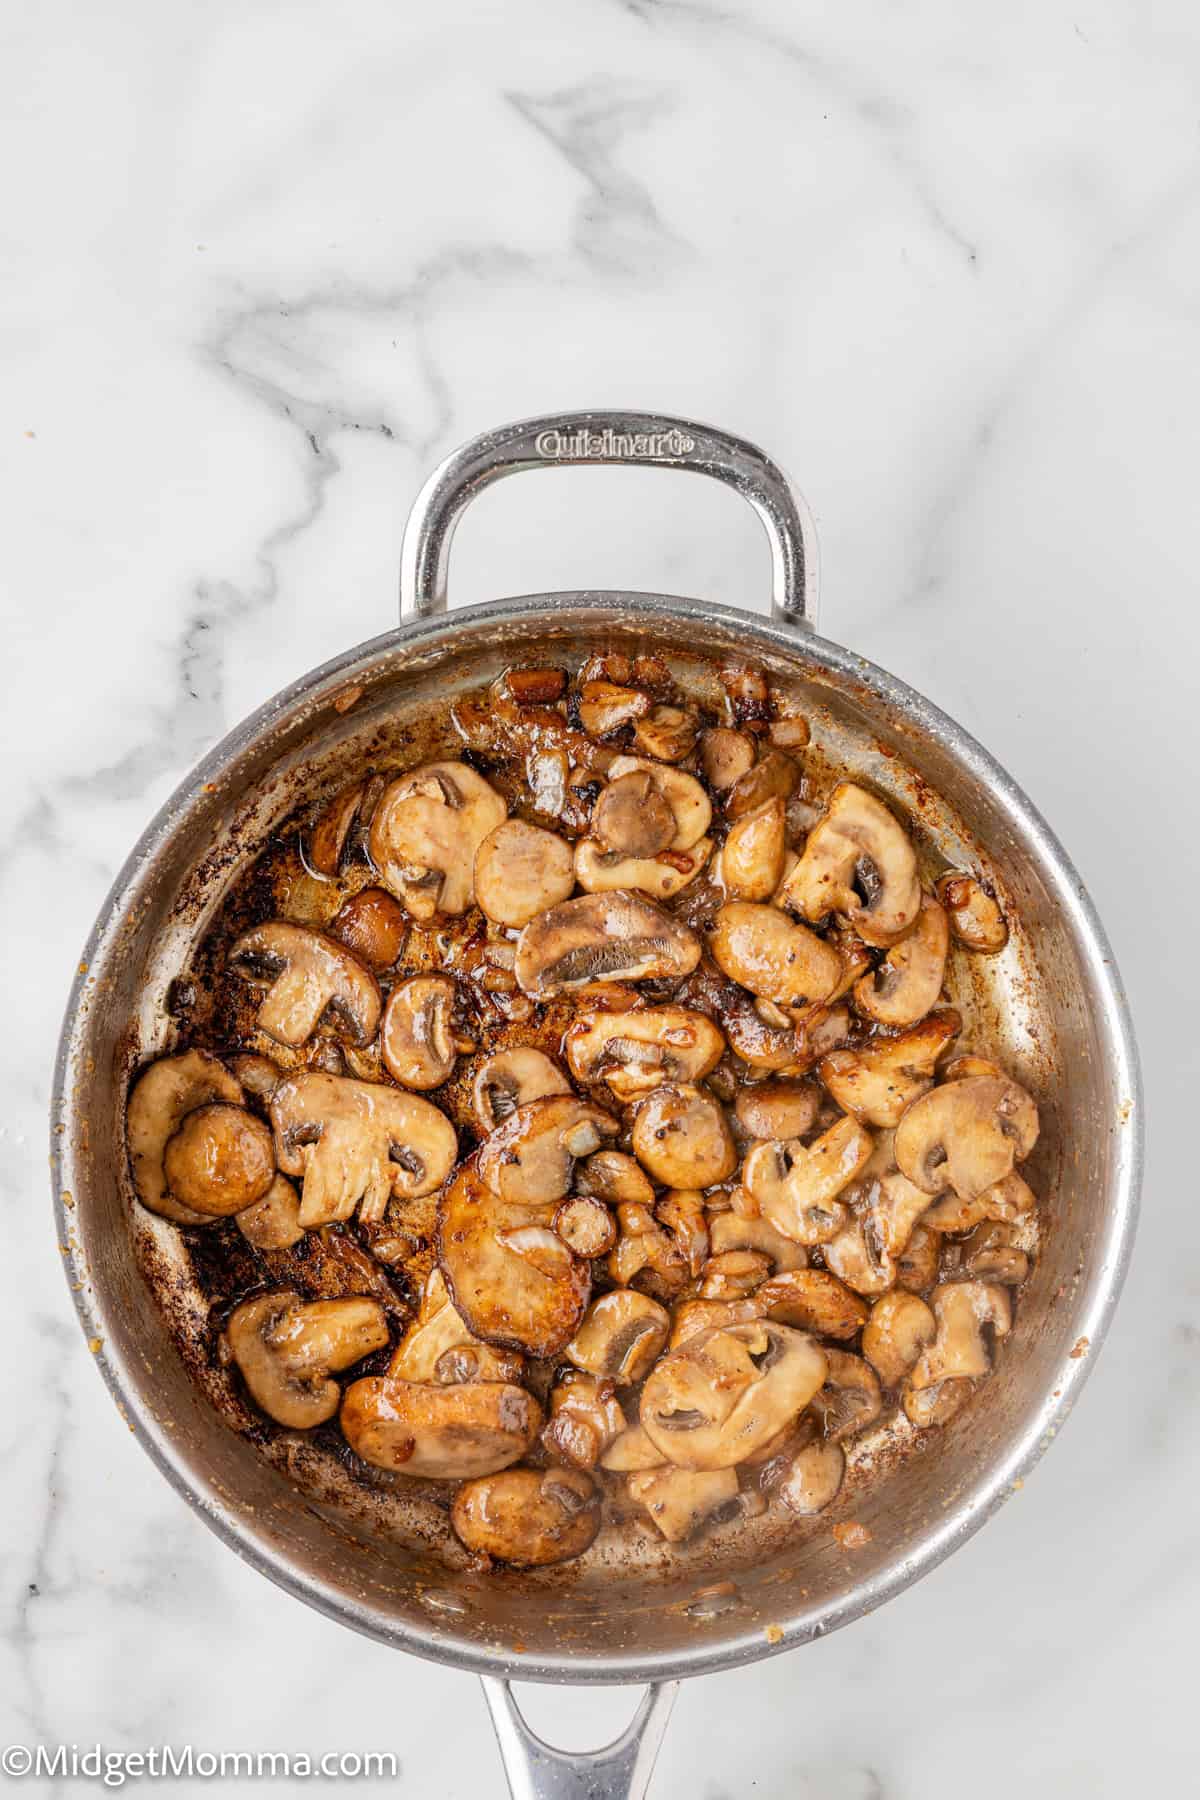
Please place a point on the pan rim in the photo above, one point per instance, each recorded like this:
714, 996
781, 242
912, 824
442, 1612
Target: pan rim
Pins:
994, 1485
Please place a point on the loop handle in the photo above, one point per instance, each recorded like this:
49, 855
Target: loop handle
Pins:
621, 1771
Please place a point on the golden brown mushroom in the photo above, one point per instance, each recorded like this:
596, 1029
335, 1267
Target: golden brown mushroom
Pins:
900, 1327
722, 1395
160, 1100
618, 936
966, 1135
857, 861
528, 1517
908, 982
417, 1041
220, 1160
679, 1501
796, 1185
425, 832
357, 1141
520, 871
286, 1348
512, 1078
879, 1080
620, 1337
763, 950
682, 1138
641, 1049
309, 976
975, 917
453, 1432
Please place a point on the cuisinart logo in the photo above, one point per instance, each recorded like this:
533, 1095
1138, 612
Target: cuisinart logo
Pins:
612, 446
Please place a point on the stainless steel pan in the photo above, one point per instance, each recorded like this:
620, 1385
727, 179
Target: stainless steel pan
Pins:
1053, 1002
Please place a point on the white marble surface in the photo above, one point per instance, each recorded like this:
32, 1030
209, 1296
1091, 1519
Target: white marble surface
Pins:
262, 266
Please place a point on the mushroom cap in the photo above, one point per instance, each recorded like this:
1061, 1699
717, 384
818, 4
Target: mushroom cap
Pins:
773, 777
777, 1109
724, 1393
285, 1348
512, 1078
730, 1231
690, 806
442, 1433
585, 1226
531, 1156
857, 840
618, 936
327, 839
878, 1081
620, 1337
679, 1501
632, 817
682, 1137
975, 917
599, 871
357, 1140
966, 1135
667, 733
774, 957
908, 983
309, 975
965, 1311
417, 1040
520, 870
529, 1517
752, 856
638, 1050
585, 1417
812, 1300
813, 1478
615, 1178
849, 1400
796, 1185
438, 1346
725, 756
160, 1099
425, 832
273, 1223
901, 1325
885, 1211
515, 1283
372, 924
220, 1160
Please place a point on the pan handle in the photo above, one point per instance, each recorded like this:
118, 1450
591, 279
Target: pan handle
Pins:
630, 438
621, 1771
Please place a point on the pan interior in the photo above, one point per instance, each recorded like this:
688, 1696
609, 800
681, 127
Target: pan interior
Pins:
380, 1556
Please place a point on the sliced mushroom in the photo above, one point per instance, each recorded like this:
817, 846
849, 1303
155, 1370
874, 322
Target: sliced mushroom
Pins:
647, 1254
776, 1047
586, 1226
776, 777
796, 1185
763, 950
752, 855
732, 1231
257, 1074
966, 1135
812, 1300
725, 756
520, 870
620, 1337
451, 1432
777, 1109
724, 1394
620, 936
418, 1042
661, 877
690, 806
220, 1160
936, 1405
514, 1281
849, 1399
975, 918
878, 1081
812, 1479
908, 982
900, 1327
512, 1078
373, 926
273, 1223
733, 1274
613, 1177
160, 1100
310, 976
357, 1141
667, 734
693, 1318
530, 1158
858, 861
632, 1450
604, 706
682, 1137
679, 1501
639, 1050
426, 830
885, 1210
286, 1348
991, 1253
438, 1345
528, 1517
632, 817
1006, 1202
585, 1418
917, 1264
968, 1063
330, 837
966, 1312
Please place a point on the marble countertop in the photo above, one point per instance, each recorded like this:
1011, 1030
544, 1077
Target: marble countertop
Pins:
264, 266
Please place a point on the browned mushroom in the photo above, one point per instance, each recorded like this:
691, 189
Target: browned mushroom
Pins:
763, 950
438, 1345
335, 827
751, 860
777, 1109
620, 1337
975, 917
529, 1517
372, 925
968, 1313
879, 1080
725, 756
679, 1501
520, 870
682, 1137
618, 936
991, 1253
632, 817
425, 832
884, 1213
908, 982
646, 1254
796, 1185
357, 1141
849, 1400
966, 1135
273, 1223
812, 1478
641, 1049
722, 1395
604, 706
585, 1419
667, 733
776, 777
512, 1078
586, 1226
417, 1041
161, 1098
220, 1160
899, 1328
530, 1157
451, 1432
286, 1349
812, 1300
309, 976
1007, 1202
858, 861
690, 806
613, 1177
